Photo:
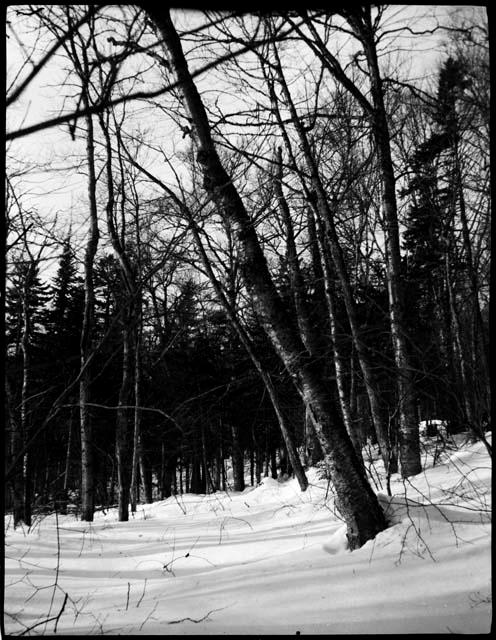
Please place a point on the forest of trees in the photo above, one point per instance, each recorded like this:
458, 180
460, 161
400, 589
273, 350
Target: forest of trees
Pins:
281, 255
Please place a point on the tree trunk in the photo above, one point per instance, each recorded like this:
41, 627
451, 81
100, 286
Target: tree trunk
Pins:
408, 437
322, 272
137, 453
206, 473
259, 465
87, 471
355, 499
122, 428
195, 481
238, 463
16, 444
145, 472
169, 474
471, 423
308, 335
480, 346
361, 23
252, 466
68, 454
273, 463
325, 217
26, 381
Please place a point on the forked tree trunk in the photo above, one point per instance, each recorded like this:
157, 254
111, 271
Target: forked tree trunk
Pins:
355, 499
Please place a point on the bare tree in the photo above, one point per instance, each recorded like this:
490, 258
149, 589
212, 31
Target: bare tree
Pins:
355, 499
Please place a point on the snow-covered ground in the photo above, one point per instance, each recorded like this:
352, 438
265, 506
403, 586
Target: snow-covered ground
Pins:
270, 560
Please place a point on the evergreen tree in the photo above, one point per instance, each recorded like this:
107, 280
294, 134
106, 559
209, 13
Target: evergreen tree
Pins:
64, 319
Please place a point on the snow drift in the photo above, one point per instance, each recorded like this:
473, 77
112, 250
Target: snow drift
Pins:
269, 560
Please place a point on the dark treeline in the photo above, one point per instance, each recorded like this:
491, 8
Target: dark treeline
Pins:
309, 289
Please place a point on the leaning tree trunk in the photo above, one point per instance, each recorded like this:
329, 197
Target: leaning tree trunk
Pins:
355, 499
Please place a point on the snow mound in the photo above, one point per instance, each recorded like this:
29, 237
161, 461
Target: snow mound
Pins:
338, 542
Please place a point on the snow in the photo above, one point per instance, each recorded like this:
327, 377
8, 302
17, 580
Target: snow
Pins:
268, 560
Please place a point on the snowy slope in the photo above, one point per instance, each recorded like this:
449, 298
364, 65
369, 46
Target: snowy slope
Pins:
270, 560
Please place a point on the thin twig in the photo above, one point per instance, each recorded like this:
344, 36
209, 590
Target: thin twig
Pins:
193, 620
